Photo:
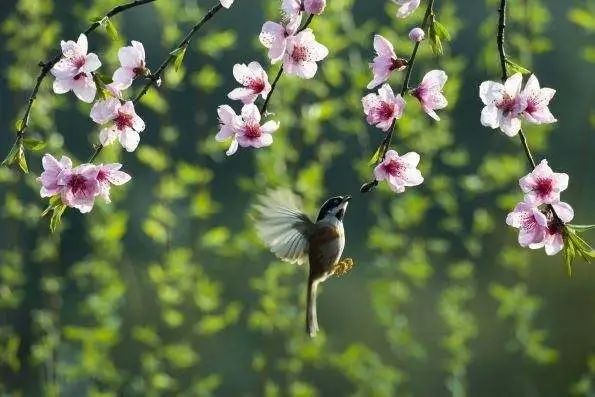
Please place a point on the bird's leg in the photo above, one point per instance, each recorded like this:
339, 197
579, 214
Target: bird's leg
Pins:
343, 266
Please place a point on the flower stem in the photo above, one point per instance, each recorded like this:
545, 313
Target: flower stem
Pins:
385, 144
47, 65
265, 104
155, 77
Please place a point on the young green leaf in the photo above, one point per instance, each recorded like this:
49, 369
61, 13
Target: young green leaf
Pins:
12, 156
22, 159
435, 40
179, 54
33, 144
441, 30
19, 124
375, 159
111, 29
581, 228
516, 68
56, 219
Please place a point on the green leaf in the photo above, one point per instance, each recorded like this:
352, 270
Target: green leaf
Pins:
516, 68
19, 124
97, 20
375, 159
22, 159
435, 40
33, 144
12, 156
581, 228
57, 217
111, 29
179, 54
441, 30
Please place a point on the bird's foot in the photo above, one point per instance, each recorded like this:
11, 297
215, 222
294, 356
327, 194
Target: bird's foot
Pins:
343, 267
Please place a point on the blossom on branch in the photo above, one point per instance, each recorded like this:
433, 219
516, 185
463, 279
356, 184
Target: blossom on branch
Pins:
255, 82
73, 72
503, 104
407, 7
384, 108
107, 175
535, 101
385, 61
121, 122
429, 93
302, 53
52, 172
399, 171
542, 185
132, 61
294, 8
249, 131
226, 129
275, 36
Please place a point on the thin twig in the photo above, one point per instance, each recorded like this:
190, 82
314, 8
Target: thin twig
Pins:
155, 77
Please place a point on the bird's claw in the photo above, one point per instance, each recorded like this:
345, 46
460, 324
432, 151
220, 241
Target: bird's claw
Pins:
343, 267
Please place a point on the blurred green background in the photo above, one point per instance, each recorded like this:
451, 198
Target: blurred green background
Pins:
168, 291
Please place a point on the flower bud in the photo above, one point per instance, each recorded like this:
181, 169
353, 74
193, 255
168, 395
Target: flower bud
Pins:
314, 6
417, 34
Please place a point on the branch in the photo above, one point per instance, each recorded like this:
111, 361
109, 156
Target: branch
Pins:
385, 144
263, 108
155, 77
47, 65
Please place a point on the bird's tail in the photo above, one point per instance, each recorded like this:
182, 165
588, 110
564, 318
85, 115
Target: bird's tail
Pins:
311, 320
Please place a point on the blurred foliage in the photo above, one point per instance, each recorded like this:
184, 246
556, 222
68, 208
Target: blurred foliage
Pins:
167, 291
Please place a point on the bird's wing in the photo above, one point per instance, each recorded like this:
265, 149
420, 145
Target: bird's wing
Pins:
282, 226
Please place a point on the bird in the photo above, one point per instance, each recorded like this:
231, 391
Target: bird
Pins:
293, 237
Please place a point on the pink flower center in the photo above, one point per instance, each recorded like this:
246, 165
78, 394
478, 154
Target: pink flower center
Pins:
529, 222
101, 176
79, 76
393, 168
77, 184
385, 111
544, 187
140, 69
123, 120
419, 92
252, 131
79, 62
507, 105
300, 54
256, 85
398, 63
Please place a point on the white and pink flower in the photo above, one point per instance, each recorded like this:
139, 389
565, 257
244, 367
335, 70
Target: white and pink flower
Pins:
254, 80
385, 61
249, 132
294, 8
530, 221
407, 7
73, 72
52, 172
274, 36
384, 108
121, 122
80, 187
429, 92
399, 171
534, 102
107, 175
503, 104
132, 61
302, 53
542, 185
226, 128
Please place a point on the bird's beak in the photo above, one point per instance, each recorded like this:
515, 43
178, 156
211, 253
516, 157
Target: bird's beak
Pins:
346, 198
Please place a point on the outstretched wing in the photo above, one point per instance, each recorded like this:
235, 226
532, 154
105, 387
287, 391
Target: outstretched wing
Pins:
282, 226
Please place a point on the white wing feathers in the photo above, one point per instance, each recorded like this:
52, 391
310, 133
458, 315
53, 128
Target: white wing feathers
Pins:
282, 226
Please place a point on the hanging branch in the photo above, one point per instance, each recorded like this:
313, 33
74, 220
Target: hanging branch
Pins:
47, 65
385, 144
176, 55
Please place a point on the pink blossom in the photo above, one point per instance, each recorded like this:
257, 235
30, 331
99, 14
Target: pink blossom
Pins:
73, 72
249, 132
226, 3
429, 92
275, 36
132, 61
553, 242
302, 53
503, 105
79, 187
315, 7
122, 123
399, 171
52, 171
385, 62
417, 34
383, 108
530, 221
255, 82
226, 128
542, 185
535, 101
407, 7
107, 175
292, 8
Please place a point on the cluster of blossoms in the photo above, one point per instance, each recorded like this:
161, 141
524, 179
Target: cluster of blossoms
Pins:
79, 186
298, 51
541, 216
383, 108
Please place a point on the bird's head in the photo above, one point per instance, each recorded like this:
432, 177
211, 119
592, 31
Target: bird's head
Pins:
334, 207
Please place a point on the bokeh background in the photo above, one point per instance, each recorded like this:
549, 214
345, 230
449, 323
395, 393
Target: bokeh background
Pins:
167, 291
